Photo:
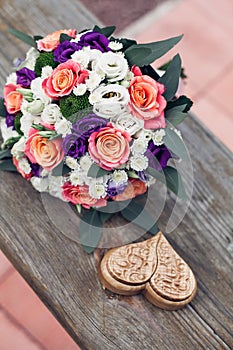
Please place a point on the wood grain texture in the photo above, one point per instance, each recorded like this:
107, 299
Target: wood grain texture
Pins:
65, 278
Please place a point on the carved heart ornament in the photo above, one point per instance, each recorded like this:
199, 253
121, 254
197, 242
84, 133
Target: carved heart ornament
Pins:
151, 267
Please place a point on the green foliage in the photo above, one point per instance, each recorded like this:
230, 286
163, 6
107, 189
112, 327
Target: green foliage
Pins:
176, 115
7, 165
23, 37
45, 59
64, 37
175, 144
182, 73
17, 123
145, 54
181, 101
107, 31
90, 230
5, 153
2, 108
60, 170
95, 171
11, 141
171, 77
71, 105
126, 43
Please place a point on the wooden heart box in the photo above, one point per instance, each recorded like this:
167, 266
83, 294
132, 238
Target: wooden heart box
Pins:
151, 267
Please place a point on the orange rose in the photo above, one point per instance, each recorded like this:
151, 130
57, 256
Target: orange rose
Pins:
13, 99
135, 188
80, 195
63, 79
147, 102
51, 41
46, 153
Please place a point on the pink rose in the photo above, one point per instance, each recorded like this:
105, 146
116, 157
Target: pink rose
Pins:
80, 195
109, 147
13, 99
135, 188
147, 102
40, 150
136, 70
51, 41
63, 79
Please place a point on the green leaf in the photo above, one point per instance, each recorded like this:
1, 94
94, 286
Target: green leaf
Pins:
90, 229
148, 70
158, 175
136, 54
126, 43
37, 37
17, 123
11, 141
145, 220
107, 31
64, 37
7, 165
181, 101
175, 144
175, 115
60, 170
171, 77
5, 154
2, 108
95, 171
174, 182
22, 36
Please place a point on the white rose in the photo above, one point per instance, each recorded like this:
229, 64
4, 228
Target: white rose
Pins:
93, 81
51, 113
18, 148
38, 91
46, 72
30, 60
114, 66
128, 122
12, 78
26, 122
80, 89
82, 57
109, 100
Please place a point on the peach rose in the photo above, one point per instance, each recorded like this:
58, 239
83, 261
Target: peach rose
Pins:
40, 150
109, 147
80, 195
13, 99
63, 79
51, 41
147, 102
135, 188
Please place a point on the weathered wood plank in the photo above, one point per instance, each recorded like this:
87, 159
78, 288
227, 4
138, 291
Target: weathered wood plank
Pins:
65, 278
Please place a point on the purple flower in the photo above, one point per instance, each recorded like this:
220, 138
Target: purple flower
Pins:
115, 189
25, 76
74, 146
143, 176
95, 40
87, 125
64, 51
36, 169
10, 119
158, 156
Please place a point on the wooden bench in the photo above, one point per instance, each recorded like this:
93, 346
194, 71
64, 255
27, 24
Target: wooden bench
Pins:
65, 278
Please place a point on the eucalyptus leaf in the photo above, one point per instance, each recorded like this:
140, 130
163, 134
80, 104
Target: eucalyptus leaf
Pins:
95, 171
149, 70
182, 100
5, 153
158, 175
145, 54
23, 37
90, 230
175, 115
175, 144
2, 108
171, 77
37, 37
145, 220
60, 170
174, 182
107, 31
126, 43
65, 37
7, 165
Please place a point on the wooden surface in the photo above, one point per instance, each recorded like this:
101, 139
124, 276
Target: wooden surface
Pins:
66, 279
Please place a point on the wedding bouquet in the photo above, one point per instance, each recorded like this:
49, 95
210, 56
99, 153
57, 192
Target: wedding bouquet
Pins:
87, 119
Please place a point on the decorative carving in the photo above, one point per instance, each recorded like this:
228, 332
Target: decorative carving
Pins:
152, 267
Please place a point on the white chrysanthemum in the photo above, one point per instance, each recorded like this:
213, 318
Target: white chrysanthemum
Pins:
109, 100
115, 45
128, 122
158, 136
38, 91
46, 72
34, 107
119, 177
51, 114
55, 184
24, 165
80, 89
93, 81
139, 163
97, 190
63, 126
144, 134
17, 150
114, 66
77, 177
71, 162
82, 57
139, 146
5, 131
12, 78
85, 162
40, 184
